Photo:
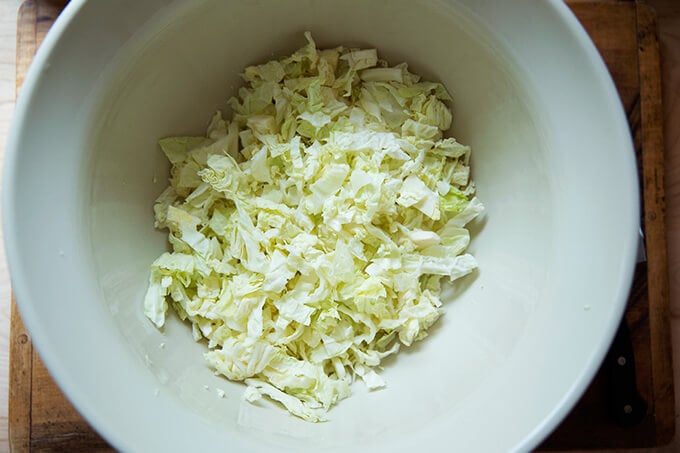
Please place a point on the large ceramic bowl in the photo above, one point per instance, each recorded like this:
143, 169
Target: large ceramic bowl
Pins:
553, 162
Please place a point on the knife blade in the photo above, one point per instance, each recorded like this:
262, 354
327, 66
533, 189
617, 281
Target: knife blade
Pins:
641, 254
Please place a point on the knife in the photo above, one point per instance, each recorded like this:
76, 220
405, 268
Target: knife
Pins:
626, 407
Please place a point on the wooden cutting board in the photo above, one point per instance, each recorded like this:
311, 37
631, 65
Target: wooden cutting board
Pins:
41, 419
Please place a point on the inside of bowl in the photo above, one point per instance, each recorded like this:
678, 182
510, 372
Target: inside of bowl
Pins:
507, 339
187, 70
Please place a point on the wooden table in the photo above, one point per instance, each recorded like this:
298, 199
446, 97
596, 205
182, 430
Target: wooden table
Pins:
83, 437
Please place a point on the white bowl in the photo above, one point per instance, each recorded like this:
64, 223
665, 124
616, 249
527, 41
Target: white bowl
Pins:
552, 159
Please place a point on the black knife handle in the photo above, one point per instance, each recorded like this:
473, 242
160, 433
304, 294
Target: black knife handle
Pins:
626, 406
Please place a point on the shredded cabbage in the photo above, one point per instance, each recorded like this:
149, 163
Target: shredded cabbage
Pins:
311, 231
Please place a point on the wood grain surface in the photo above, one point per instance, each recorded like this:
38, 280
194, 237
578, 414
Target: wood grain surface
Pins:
41, 419
655, 224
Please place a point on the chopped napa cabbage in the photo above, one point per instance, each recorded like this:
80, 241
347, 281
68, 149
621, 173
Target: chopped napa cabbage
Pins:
310, 231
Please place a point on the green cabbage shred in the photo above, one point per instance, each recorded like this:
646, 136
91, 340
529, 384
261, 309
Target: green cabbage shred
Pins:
310, 231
